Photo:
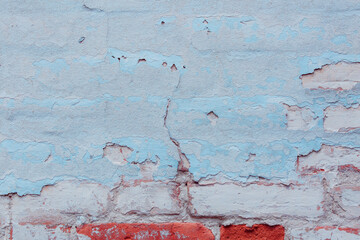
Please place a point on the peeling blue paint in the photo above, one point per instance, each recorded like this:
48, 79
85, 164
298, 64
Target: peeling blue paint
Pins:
252, 39
56, 66
64, 101
288, 33
28, 152
304, 28
89, 60
98, 80
13, 184
130, 61
274, 160
307, 64
341, 39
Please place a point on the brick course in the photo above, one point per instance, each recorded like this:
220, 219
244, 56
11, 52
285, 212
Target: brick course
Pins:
192, 119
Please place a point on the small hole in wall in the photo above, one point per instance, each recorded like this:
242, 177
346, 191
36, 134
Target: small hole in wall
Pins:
162, 22
141, 60
123, 57
184, 67
119, 59
164, 64
205, 22
81, 40
173, 68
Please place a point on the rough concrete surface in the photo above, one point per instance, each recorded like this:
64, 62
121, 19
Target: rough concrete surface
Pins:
192, 119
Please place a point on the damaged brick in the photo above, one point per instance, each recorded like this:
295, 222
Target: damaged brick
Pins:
339, 76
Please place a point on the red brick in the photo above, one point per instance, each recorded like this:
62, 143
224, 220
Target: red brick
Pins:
164, 231
257, 231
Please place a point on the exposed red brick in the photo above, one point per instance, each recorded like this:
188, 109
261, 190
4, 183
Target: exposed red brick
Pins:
324, 227
350, 230
164, 231
11, 233
348, 167
257, 231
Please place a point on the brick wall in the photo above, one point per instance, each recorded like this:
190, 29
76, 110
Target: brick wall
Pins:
179, 119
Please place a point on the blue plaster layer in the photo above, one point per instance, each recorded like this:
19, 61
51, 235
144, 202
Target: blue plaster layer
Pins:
139, 64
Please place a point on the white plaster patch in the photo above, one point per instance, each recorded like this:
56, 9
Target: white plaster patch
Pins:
341, 119
300, 118
148, 198
323, 233
350, 201
60, 203
117, 154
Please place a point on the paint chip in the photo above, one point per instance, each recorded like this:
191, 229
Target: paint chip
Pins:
251, 158
213, 117
173, 68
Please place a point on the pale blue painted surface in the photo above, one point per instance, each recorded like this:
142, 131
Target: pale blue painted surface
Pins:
67, 100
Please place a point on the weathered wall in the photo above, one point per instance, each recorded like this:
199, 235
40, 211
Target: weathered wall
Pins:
191, 119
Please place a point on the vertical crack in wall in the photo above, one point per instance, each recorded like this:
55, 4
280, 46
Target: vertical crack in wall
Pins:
183, 176
184, 163
10, 227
